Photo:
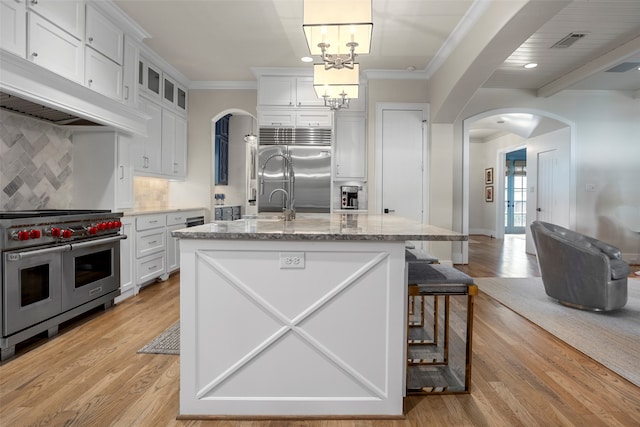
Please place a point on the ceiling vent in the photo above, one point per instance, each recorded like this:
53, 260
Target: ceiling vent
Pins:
568, 40
625, 66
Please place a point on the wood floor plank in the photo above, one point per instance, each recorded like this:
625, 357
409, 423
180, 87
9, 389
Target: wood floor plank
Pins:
91, 375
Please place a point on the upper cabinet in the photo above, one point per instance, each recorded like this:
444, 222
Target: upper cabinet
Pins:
104, 36
149, 78
350, 146
69, 15
174, 94
13, 31
158, 85
286, 91
55, 49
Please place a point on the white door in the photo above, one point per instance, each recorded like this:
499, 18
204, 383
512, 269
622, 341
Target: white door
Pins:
401, 152
546, 175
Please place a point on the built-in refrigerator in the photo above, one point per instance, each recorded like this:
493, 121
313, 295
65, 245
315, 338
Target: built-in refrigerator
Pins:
310, 152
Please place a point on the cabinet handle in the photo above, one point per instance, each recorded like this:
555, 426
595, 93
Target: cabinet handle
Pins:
90, 81
34, 1
153, 242
121, 172
153, 267
90, 39
126, 92
34, 54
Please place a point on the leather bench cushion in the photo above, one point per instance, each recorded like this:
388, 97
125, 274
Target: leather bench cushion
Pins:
413, 255
421, 273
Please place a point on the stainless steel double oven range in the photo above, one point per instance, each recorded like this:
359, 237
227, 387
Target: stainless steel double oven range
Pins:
56, 265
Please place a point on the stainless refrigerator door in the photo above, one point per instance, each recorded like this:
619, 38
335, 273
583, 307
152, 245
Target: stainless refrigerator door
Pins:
312, 167
273, 176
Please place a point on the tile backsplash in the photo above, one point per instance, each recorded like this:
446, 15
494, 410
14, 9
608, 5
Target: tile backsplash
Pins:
36, 164
150, 193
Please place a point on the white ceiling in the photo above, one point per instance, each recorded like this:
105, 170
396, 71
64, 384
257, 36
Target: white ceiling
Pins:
224, 40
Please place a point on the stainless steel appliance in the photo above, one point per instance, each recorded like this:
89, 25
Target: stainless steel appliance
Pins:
349, 199
310, 152
56, 264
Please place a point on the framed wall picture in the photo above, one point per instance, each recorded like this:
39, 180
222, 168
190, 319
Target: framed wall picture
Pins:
488, 193
488, 176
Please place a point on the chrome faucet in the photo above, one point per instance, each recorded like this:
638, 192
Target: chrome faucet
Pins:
289, 210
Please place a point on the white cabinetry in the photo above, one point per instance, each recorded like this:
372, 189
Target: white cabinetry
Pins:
150, 247
176, 221
174, 94
127, 258
147, 151
174, 144
314, 118
13, 29
131, 58
104, 36
54, 49
286, 91
101, 165
102, 74
350, 146
286, 118
149, 78
67, 15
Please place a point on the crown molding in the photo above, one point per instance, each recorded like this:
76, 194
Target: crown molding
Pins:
223, 85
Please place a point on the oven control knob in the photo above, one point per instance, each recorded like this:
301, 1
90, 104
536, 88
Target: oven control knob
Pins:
20, 235
111, 225
34, 234
66, 234
118, 224
92, 230
54, 232
101, 226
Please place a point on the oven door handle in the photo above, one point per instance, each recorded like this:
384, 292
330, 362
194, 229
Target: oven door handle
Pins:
98, 242
38, 252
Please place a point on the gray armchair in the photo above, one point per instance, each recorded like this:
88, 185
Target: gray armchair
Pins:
578, 270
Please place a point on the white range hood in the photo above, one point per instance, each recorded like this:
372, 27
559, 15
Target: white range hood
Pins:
24, 80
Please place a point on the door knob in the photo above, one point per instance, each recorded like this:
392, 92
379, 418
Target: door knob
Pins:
389, 210
539, 210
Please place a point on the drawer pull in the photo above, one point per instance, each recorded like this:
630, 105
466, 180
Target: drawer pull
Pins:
153, 242
153, 267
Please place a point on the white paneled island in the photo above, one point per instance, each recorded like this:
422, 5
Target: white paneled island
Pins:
298, 318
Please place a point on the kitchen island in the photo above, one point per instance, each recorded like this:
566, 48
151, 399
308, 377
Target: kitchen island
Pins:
296, 318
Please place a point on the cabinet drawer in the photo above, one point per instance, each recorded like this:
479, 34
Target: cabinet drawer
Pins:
147, 222
177, 218
150, 241
150, 267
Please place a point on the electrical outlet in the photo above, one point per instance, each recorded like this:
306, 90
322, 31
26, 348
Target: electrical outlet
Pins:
291, 260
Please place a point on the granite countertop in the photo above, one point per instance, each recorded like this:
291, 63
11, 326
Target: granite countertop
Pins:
148, 211
335, 226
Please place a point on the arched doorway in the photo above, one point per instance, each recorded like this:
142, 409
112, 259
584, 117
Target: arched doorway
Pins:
238, 156
498, 132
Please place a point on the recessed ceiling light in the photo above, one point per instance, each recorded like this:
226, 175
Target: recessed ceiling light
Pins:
306, 59
530, 65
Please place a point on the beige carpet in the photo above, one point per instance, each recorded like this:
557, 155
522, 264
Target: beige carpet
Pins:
612, 338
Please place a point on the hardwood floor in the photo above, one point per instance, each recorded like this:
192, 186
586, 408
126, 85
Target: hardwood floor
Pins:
91, 375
